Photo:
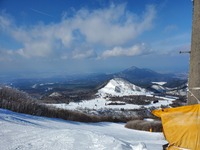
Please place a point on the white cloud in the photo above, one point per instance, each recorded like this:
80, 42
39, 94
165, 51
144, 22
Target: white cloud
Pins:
5, 21
170, 28
7, 55
77, 54
129, 51
172, 44
106, 27
64, 57
41, 40
113, 25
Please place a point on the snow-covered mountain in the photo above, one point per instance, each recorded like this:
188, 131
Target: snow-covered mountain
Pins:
121, 87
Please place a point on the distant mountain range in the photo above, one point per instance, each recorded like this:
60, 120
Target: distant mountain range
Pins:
142, 77
139, 76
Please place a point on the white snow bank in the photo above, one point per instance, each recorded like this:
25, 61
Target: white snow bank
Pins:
26, 132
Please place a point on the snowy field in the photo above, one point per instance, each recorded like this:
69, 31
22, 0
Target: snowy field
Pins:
101, 103
26, 132
98, 103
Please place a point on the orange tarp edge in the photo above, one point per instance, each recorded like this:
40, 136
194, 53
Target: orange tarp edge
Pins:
181, 126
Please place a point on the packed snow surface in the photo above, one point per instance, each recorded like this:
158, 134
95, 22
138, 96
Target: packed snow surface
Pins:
26, 132
121, 87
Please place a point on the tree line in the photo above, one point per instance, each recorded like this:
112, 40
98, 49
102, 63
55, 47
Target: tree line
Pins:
18, 101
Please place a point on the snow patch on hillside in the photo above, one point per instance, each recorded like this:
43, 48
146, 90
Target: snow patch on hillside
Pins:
55, 94
34, 86
159, 88
159, 83
41, 84
178, 91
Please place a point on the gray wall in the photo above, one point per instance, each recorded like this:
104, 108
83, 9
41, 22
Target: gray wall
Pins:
194, 76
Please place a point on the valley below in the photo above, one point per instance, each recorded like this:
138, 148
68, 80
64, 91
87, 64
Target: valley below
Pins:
94, 109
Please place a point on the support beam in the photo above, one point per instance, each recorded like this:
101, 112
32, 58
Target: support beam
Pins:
194, 75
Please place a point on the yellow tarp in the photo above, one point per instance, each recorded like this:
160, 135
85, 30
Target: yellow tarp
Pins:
181, 126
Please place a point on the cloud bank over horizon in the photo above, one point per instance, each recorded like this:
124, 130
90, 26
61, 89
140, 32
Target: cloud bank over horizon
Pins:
107, 28
94, 37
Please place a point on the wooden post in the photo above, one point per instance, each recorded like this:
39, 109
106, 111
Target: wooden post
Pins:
194, 75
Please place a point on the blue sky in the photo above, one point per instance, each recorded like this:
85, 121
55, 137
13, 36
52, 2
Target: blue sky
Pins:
89, 36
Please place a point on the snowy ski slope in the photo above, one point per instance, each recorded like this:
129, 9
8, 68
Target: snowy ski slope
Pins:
26, 132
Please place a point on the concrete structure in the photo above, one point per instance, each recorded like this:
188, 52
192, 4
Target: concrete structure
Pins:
194, 75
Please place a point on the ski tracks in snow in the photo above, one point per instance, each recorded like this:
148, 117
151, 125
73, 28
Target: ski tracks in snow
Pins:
26, 132
33, 138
